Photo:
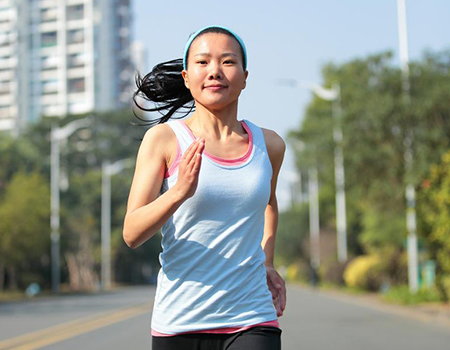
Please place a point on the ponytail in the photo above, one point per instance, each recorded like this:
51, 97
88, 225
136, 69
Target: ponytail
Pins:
164, 85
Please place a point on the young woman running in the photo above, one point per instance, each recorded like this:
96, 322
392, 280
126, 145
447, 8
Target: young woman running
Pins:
209, 183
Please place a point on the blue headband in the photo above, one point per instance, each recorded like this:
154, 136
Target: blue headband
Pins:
193, 36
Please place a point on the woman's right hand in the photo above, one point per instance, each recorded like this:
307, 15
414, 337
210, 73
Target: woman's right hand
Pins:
189, 169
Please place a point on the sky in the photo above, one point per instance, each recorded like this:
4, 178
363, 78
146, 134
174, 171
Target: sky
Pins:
291, 39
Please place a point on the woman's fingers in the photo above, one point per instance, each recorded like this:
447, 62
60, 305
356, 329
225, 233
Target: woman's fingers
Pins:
198, 157
190, 151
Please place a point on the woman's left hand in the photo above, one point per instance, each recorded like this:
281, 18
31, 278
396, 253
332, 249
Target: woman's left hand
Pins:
277, 287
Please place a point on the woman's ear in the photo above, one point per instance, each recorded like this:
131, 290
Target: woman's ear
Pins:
185, 77
245, 79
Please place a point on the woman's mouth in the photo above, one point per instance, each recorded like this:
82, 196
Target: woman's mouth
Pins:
215, 87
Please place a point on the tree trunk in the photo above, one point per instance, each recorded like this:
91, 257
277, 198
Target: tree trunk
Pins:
2, 276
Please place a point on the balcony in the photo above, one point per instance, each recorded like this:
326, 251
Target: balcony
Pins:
6, 51
8, 15
48, 27
49, 86
6, 75
49, 14
5, 88
6, 100
5, 112
76, 73
78, 108
76, 60
49, 62
75, 36
49, 75
52, 109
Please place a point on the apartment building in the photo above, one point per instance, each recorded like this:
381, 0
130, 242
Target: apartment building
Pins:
61, 57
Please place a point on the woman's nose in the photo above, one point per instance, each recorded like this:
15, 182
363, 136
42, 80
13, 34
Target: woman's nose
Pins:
215, 71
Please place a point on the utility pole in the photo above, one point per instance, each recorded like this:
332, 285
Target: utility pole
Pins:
56, 135
108, 170
410, 193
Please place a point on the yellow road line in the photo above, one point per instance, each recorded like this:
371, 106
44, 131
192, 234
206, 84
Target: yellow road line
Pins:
71, 329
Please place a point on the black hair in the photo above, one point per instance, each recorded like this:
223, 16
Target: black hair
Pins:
164, 86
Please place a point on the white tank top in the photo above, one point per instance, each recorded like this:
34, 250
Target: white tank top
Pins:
212, 264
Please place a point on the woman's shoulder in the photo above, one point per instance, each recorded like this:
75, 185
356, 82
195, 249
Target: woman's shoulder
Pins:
161, 139
274, 143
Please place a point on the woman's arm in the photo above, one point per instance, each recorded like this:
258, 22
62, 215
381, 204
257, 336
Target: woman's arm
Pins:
276, 148
146, 210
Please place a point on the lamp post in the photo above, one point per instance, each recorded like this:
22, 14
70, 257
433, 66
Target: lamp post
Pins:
410, 192
333, 95
108, 170
56, 135
314, 223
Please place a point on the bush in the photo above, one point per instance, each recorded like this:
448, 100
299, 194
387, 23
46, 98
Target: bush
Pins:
297, 272
402, 295
364, 272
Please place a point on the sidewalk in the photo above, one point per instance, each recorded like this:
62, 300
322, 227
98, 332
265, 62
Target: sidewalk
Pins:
428, 312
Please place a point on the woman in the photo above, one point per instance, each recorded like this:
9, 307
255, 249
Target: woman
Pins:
209, 182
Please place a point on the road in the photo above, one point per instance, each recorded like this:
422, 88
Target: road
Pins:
121, 320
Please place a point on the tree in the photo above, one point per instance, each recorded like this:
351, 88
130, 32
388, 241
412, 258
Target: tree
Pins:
375, 120
24, 224
435, 209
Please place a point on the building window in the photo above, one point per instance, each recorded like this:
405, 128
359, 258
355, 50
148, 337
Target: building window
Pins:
49, 62
75, 60
75, 12
49, 39
75, 36
76, 85
48, 14
49, 86
5, 87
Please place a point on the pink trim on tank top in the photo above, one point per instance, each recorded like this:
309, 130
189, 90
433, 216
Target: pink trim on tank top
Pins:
227, 330
225, 161
176, 162
222, 161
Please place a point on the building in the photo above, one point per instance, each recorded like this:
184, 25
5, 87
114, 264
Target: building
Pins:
60, 57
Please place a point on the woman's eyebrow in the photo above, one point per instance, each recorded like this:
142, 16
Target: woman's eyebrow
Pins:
224, 54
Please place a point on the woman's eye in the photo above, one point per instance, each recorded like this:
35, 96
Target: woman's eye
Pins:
201, 62
229, 61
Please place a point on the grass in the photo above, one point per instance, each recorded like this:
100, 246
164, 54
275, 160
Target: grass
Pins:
402, 295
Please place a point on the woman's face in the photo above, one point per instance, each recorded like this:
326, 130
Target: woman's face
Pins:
215, 74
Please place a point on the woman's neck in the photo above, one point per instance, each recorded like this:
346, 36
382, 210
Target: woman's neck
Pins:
216, 123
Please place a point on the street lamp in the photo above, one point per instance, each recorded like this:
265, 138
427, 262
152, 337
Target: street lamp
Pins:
333, 95
56, 135
108, 170
410, 192
314, 223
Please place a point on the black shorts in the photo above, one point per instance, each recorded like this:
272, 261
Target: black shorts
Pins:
255, 338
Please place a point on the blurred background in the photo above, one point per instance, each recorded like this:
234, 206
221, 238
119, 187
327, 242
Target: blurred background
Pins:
359, 90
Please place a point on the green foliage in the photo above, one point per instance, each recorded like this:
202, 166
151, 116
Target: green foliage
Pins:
24, 218
24, 228
382, 227
375, 118
434, 204
111, 136
402, 295
293, 228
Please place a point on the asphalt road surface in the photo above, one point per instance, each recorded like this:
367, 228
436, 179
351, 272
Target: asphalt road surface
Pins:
120, 320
